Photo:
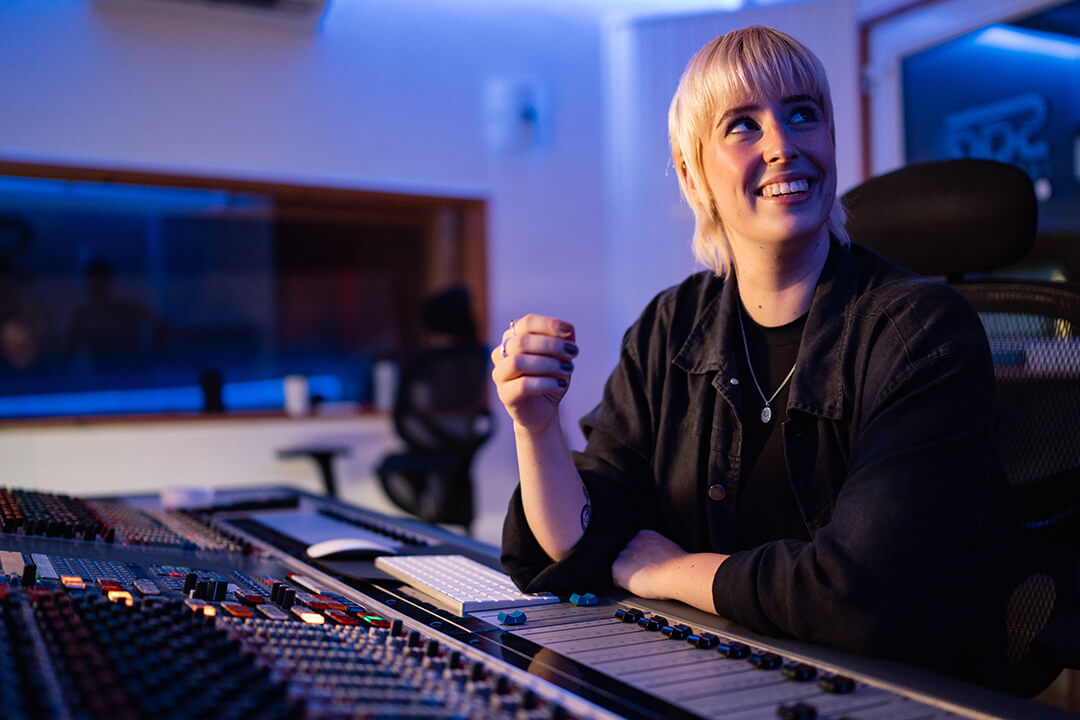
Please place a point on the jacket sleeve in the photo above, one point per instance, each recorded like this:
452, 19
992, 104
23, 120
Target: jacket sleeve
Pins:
617, 472
907, 563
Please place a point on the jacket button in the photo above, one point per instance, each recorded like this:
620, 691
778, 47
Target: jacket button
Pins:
717, 492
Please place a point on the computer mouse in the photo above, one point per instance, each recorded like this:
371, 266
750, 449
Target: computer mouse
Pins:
348, 548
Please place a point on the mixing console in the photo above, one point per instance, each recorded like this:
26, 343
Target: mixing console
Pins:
116, 608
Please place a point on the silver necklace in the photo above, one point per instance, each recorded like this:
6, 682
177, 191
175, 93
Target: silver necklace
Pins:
766, 412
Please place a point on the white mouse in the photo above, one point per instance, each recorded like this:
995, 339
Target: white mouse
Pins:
352, 548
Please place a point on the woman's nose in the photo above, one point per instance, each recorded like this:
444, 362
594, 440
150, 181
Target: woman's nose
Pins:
778, 145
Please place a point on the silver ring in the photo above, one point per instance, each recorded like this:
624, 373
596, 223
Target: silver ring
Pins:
513, 329
504, 347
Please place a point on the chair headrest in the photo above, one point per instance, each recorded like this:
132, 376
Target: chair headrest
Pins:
946, 218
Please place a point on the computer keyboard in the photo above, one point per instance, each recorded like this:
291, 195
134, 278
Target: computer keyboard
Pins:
460, 583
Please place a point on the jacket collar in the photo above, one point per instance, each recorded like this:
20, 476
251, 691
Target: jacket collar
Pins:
817, 385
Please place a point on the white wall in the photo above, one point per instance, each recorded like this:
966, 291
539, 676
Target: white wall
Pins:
380, 96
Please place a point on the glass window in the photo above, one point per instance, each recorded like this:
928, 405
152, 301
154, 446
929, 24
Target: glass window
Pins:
139, 298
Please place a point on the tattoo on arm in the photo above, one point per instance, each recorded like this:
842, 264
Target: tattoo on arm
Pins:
586, 509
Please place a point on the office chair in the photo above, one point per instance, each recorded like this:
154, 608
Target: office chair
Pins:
961, 219
441, 414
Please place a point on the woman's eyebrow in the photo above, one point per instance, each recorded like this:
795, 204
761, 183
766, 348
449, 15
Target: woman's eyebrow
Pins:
738, 110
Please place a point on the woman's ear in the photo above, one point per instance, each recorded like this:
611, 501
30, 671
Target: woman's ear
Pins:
688, 179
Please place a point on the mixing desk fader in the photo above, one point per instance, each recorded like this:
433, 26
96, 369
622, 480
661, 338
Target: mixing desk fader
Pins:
115, 608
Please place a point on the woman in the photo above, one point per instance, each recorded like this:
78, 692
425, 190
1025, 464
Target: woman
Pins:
798, 439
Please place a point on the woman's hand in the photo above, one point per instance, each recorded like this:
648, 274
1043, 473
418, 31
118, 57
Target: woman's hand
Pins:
652, 566
532, 371
644, 565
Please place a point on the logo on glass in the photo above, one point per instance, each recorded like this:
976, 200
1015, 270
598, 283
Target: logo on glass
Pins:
1007, 130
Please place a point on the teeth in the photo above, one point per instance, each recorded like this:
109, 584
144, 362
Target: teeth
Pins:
785, 188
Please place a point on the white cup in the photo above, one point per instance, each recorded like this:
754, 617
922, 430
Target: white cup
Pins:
297, 400
385, 380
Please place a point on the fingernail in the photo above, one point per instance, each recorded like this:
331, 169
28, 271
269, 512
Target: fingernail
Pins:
571, 349
562, 383
567, 366
565, 328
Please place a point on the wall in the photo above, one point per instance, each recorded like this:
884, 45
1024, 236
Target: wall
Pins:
393, 96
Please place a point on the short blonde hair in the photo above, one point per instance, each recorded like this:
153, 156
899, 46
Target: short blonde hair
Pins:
754, 60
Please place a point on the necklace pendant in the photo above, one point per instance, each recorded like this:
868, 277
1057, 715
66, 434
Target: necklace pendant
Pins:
766, 414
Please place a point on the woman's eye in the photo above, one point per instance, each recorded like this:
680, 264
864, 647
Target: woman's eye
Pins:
741, 125
804, 114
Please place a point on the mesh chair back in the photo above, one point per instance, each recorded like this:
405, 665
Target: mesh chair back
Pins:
1034, 334
442, 415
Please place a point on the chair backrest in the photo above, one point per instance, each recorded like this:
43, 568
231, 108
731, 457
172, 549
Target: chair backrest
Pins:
441, 405
949, 218
958, 218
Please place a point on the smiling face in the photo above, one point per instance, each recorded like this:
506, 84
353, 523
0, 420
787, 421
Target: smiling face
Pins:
753, 111
770, 170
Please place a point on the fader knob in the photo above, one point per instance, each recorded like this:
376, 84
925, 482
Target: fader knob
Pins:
652, 623
733, 650
703, 641
220, 590
797, 711
839, 684
799, 672
765, 660
676, 632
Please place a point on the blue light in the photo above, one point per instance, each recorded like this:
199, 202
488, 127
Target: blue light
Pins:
252, 395
106, 195
271, 393
106, 402
1030, 41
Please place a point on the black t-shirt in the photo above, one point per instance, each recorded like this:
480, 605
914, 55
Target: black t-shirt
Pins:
766, 508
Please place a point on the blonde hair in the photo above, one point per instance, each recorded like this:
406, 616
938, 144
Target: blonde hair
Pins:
755, 60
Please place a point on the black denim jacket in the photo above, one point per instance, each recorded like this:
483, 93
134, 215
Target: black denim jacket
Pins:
889, 449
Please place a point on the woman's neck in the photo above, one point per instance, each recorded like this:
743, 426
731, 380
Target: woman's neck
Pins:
776, 284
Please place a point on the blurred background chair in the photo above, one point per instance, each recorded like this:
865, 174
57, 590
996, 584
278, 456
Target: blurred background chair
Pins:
442, 415
969, 221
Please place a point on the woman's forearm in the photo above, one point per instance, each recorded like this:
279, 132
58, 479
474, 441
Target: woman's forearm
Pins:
690, 579
653, 566
557, 506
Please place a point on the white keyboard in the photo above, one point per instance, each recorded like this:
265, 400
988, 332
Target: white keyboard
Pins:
460, 583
